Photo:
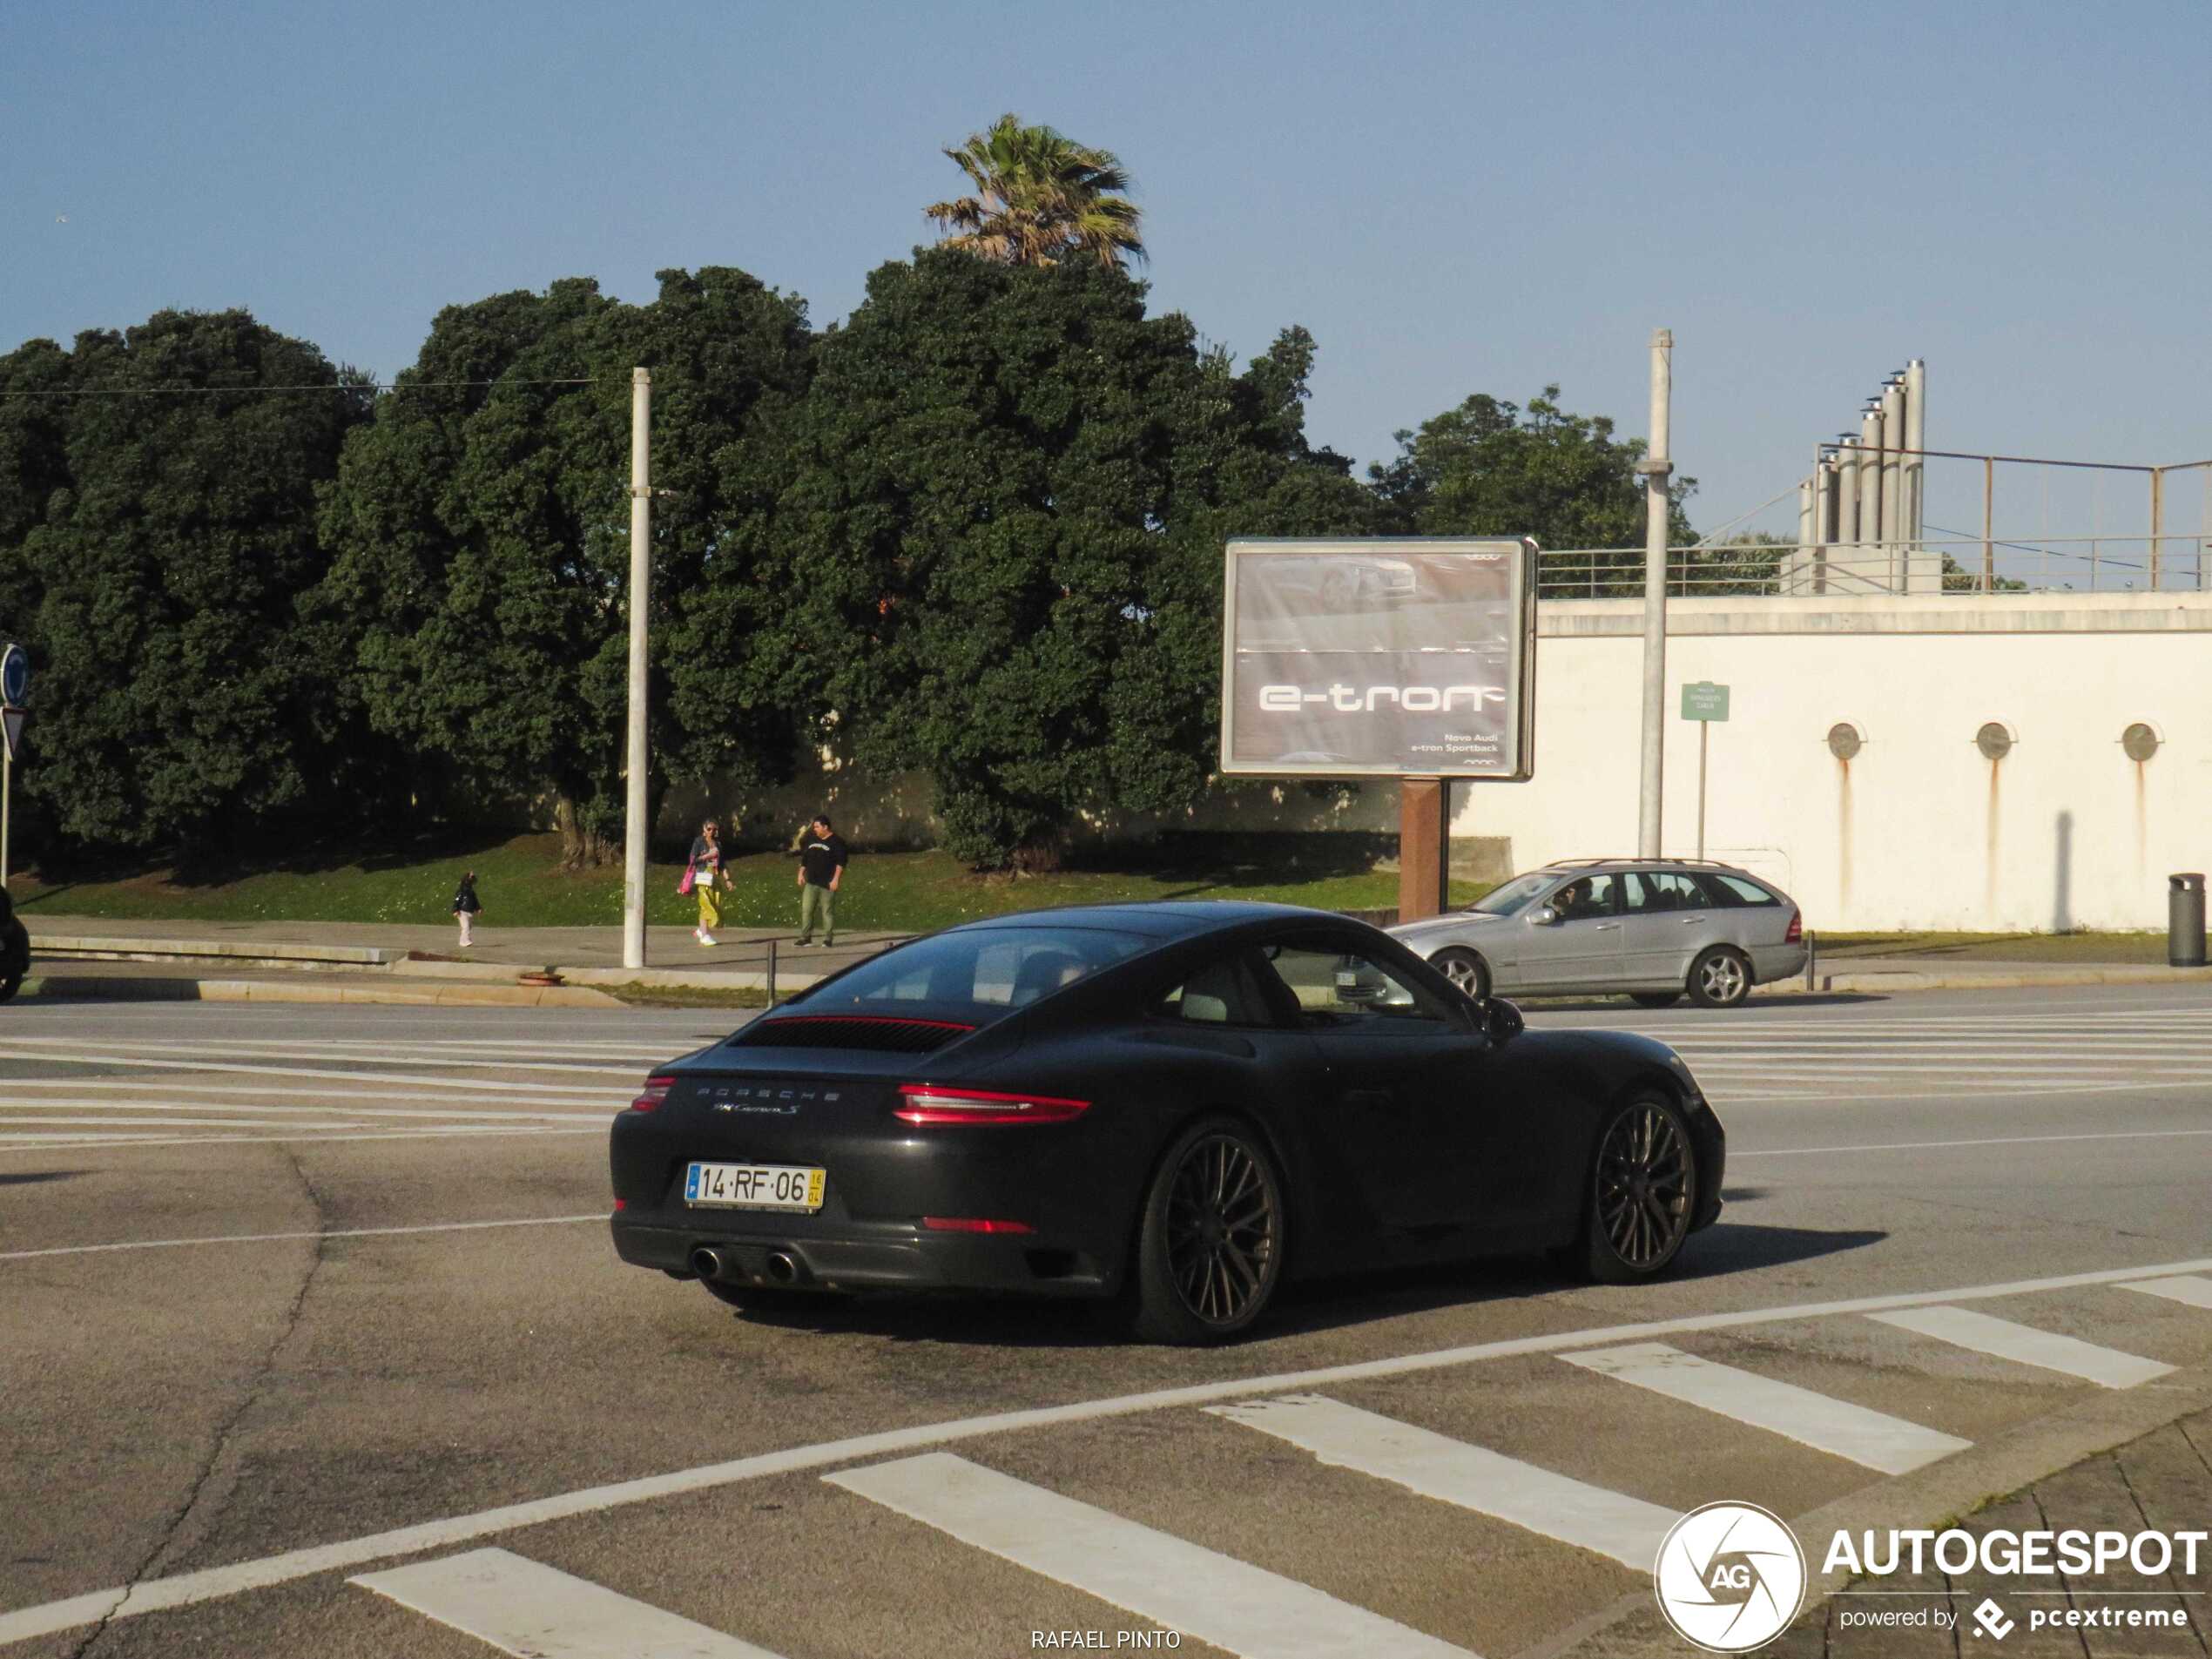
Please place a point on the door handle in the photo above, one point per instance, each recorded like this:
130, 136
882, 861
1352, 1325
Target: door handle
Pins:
1606, 927
1693, 921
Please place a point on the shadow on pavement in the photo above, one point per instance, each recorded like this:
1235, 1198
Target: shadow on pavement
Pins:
1324, 1305
36, 1177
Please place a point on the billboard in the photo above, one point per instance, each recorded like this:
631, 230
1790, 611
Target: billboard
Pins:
1400, 656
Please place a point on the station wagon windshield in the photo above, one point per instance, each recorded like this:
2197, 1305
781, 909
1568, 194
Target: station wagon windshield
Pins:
1511, 897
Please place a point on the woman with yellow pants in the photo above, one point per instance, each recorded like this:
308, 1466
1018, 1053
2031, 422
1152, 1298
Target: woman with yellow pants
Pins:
707, 879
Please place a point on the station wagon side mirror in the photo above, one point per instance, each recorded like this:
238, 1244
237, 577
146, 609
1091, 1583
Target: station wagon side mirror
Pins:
1545, 916
1501, 1021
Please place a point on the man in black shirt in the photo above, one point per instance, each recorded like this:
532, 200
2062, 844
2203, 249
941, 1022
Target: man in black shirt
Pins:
821, 866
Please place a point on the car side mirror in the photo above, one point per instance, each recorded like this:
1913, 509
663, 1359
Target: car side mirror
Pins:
1501, 1020
1545, 916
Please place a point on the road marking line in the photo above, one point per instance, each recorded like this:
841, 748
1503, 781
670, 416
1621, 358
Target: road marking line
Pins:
1983, 1333
1835, 1426
432, 1106
268, 1238
536, 1612
1995, 1140
1154, 1575
455, 1105
1471, 1477
2187, 1289
207, 1584
123, 1117
137, 1063
112, 1143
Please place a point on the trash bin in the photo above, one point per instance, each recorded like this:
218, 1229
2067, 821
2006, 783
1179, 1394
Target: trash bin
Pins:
2185, 919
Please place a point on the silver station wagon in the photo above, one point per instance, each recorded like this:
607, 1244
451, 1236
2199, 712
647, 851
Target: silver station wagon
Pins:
1651, 928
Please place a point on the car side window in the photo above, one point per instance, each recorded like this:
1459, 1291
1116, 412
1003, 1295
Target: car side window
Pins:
1735, 890
1651, 892
1587, 898
1338, 989
1224, 992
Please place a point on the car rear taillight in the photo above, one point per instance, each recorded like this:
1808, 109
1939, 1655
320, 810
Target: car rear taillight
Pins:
1797, 933
973, 1224
926, 1103
651, 1097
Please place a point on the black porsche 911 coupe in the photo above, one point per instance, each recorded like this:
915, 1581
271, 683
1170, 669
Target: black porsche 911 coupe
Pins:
1180, 1104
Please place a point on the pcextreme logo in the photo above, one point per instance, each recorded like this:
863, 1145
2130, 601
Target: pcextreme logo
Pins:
1729, 1577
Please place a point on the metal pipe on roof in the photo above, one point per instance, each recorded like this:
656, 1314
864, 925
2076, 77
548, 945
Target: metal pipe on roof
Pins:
1925, 568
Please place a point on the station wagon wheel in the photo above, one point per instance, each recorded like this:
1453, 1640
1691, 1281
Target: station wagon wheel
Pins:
1720, 978
1210, 1251
1644, 1190
1467, 970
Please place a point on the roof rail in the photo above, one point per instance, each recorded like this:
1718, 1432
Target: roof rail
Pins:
1637, 858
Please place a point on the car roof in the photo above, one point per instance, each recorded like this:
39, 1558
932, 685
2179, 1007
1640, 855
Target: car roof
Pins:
1163, 919
1562, 865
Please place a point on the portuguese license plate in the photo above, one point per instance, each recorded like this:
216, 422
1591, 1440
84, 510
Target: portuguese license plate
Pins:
755, 1186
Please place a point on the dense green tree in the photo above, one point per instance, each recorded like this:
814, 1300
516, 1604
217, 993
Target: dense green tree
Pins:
156, 528
1040, 198
480, 538
996, 550
1490, 468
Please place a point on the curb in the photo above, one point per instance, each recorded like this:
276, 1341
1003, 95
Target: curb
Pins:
126, 948
1996, 980
92, 988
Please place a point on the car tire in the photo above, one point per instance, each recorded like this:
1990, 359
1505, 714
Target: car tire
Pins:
1209, 1238
1720, 978
1655, 999
1643, 1191
1465, 968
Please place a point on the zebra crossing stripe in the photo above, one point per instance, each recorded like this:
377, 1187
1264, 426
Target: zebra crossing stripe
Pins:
1181, 1586
1471, 1477
534, 1612
2190, 1289
1983, 1333
1837, 1426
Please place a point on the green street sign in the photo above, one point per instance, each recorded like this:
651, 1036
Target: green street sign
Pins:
1704, 700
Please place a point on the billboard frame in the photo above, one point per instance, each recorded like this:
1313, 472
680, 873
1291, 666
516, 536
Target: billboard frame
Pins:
1521, 598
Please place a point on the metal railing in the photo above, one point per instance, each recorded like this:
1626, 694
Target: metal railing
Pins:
1951, 565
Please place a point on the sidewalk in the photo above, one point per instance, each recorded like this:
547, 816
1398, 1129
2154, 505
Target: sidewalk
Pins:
87, 956
83, 956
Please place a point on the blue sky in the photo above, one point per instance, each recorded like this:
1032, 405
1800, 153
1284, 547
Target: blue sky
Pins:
1453, 197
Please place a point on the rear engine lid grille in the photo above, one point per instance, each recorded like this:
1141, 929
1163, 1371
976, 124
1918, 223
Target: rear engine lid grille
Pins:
877, 1033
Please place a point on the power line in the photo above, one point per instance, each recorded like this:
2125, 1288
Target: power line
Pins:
235, 391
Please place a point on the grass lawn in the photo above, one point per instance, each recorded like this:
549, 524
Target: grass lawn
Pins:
521, 885
2132, 947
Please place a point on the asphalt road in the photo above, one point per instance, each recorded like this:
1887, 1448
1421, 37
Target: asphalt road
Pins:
292, 1297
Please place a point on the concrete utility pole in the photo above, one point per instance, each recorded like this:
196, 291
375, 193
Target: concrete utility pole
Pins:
1657, 468
634, 830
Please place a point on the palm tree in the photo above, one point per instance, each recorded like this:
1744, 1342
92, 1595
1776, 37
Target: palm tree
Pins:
1040, 198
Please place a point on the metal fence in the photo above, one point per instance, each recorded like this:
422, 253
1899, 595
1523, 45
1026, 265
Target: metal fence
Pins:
1957, 565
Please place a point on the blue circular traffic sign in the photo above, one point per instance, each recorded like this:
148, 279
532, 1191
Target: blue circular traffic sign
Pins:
15, 675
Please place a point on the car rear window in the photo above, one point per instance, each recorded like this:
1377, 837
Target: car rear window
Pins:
986, 970
1735, 890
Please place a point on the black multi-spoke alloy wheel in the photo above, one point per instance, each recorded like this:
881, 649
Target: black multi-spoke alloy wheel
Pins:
1655, 999
1209, 1248
1720, 978
1644, 1190
1465, 970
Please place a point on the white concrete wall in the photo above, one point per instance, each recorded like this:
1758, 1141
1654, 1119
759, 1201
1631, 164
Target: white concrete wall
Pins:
1919, 830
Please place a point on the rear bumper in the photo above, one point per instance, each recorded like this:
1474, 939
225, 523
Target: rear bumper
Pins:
1771, 962
871, 1259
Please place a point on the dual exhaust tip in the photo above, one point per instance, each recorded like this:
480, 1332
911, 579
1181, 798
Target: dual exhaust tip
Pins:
710, 1264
